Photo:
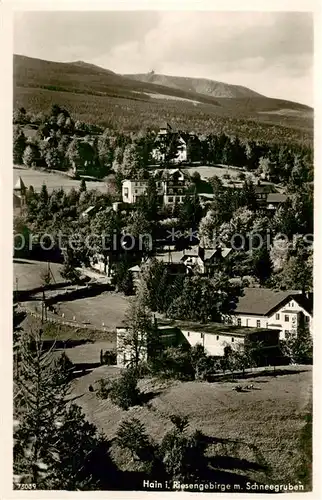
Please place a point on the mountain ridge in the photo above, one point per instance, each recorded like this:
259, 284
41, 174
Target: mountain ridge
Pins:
204, 86
101, 96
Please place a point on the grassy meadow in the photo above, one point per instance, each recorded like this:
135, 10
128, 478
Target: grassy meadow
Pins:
260, 435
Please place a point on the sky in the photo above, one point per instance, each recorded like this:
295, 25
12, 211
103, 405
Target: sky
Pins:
269, 52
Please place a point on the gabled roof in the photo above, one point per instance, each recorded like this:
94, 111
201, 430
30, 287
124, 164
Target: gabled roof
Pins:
169, 257
264, 188
276, 198
263, 301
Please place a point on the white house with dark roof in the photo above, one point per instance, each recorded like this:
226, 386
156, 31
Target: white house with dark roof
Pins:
267, 308
167, 130
171, 187
214, 337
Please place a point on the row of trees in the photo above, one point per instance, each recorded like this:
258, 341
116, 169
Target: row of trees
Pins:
61, 143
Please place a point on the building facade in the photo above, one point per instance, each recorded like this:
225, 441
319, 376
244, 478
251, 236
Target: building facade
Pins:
171, 187
168, 133
133, 189
265, 308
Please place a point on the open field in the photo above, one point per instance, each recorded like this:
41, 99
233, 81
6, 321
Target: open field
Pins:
255, 435
107, 308
208, 171
53, 181
28, 273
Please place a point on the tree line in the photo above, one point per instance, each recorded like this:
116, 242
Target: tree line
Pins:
62, 143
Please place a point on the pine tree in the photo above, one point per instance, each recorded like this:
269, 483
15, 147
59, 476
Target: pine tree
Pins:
54, 446
39, 406
19, 144
132, 435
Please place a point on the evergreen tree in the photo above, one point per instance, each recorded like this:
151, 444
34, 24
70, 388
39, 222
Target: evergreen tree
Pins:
41, 392
139, 335
19, 145
54, 446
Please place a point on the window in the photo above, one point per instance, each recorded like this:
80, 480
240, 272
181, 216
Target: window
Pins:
239, 321
136, 191
277, 316
307, 319
286, 318
258, 323
201, 335
292, 304
171, 191
188, 334
170, 199
217, 338
232, 339
126, 192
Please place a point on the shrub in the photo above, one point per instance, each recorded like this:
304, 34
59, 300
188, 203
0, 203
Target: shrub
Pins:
108, 357
104, 388
124, 391
174, 362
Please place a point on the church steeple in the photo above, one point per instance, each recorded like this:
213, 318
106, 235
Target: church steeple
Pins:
20, 188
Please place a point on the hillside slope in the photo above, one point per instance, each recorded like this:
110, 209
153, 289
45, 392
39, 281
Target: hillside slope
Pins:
97, 95
87, 78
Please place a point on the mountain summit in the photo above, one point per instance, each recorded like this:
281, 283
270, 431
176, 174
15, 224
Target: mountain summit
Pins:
202, 86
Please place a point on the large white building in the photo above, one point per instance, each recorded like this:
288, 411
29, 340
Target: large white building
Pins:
171, 187
181, 154
214, 337
267, 308
133, 189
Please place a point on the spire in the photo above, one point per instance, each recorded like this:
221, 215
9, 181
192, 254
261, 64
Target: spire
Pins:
20, 186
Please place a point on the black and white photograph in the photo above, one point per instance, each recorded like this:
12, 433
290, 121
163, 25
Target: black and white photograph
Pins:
162, 286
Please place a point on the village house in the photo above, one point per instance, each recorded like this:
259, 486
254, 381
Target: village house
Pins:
171, 187
196, 260
167, 131
262, 191
266, 308
133, 189
201, 260
168, 336
214, 337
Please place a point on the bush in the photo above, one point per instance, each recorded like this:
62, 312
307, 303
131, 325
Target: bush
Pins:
104, 388
108, 357
183, 363
124, 391
174, 362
